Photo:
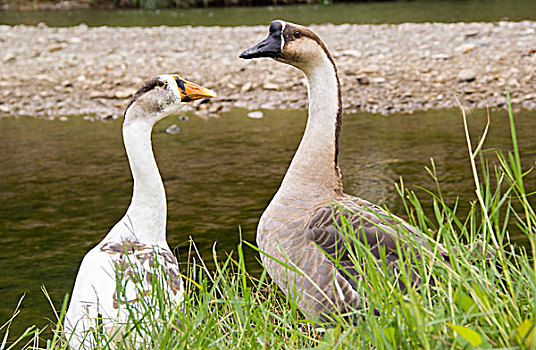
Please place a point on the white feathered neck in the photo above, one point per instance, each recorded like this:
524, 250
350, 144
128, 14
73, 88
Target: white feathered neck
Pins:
145, 219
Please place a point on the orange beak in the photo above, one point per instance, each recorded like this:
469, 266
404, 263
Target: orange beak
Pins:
191, 91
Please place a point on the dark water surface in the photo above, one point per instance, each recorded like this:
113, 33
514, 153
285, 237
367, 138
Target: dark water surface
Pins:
63, 184
355, 13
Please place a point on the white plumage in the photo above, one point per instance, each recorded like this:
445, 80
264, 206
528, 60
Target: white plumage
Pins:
117, 277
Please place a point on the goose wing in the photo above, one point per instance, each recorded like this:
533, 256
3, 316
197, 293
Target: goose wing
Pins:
114, 274
380, 231
138, 266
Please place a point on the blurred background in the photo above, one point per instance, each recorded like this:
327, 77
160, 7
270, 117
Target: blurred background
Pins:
251, 12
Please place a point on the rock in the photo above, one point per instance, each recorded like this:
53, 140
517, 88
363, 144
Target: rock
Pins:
466, 48
377, 80
96, 94
54, 48
441, 78
184, 118
351, 53
363, 80
255, 115
471, 34
63, 119
273, 105
8, 57
270, 86
108, 117
173, 129
469, 90
466, 75
440, 56
373, 68
123, 94
246, 87
215, 108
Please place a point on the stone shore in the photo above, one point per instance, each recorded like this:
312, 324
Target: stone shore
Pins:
384, 69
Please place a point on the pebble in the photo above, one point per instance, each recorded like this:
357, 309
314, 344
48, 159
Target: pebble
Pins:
55, 48
440, 56
377, 80
8, 57
466, 75
173, 129
246, 87
373, 68
270, 86
351, 53
363, 80
466, 48
392, 68
255, 115
123, 94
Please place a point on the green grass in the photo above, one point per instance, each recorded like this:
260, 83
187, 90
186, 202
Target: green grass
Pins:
485, 299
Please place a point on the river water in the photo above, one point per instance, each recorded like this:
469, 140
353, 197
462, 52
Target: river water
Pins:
355, 13
63, 184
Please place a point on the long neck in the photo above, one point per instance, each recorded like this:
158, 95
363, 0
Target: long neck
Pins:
314, 168
146, 215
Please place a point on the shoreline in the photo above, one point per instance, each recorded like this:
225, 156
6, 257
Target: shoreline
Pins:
383, 68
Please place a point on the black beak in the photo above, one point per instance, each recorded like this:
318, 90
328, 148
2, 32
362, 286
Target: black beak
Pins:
269, 47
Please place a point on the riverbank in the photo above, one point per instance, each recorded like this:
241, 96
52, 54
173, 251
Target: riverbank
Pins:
383, 68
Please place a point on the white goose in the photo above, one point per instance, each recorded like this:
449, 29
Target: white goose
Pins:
298, 225
136, 246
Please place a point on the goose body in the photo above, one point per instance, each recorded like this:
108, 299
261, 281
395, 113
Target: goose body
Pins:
298, 226
123, 268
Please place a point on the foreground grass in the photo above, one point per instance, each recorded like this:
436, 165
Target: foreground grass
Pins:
485, 298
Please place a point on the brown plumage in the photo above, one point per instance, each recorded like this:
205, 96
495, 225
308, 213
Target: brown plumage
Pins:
299, 226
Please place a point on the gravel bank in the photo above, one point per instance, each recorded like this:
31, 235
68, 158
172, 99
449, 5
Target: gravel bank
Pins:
383, 68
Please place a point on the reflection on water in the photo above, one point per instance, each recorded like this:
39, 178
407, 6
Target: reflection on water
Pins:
64, 184
355, 13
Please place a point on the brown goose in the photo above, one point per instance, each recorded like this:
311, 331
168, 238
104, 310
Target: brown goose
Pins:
298, 224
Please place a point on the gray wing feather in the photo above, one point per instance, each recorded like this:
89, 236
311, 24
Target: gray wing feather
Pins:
375, 228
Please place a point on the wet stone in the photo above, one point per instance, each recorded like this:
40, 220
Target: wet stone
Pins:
466, 75
173, 129
255, 115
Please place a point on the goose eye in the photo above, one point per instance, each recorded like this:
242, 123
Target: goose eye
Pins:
161, 84
297, 34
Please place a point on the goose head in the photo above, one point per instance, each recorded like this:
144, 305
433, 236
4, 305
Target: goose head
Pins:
163, 95
292, 44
